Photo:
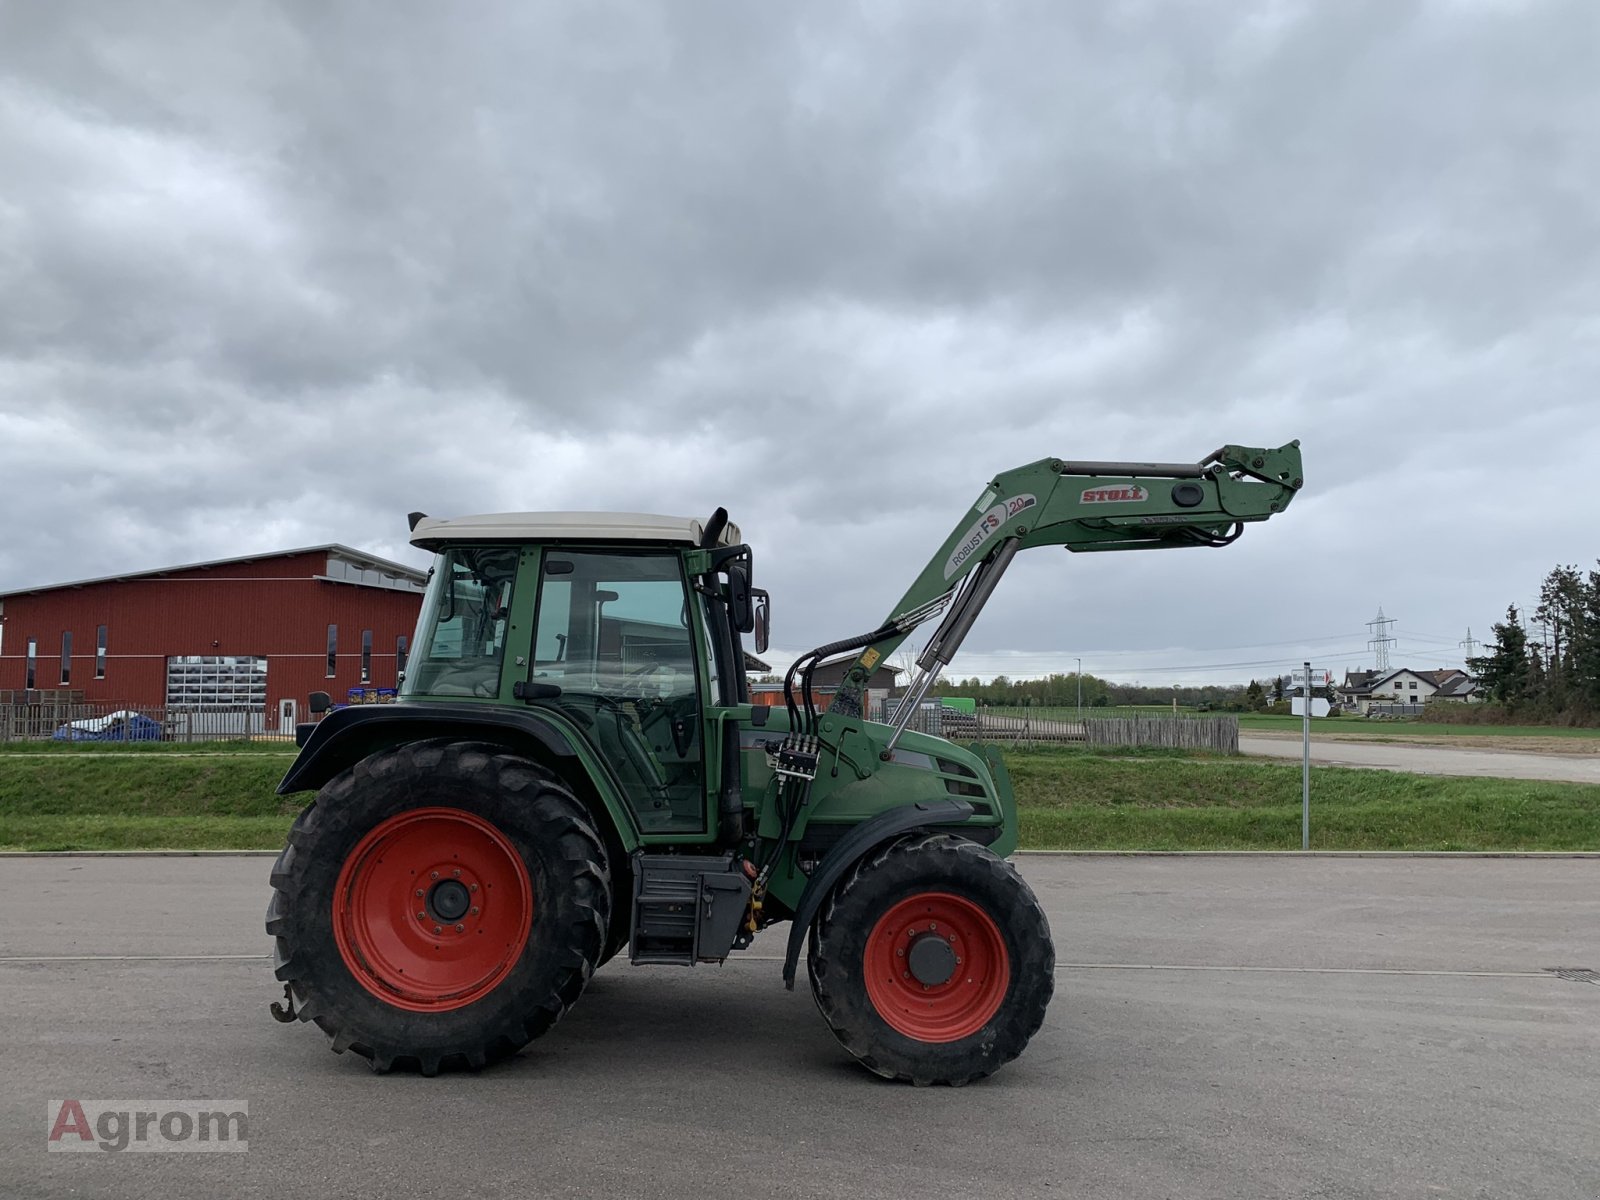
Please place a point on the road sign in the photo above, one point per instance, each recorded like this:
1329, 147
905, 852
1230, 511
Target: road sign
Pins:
1318, 678
1319, 706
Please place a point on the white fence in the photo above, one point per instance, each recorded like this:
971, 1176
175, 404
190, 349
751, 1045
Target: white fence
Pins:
99, 721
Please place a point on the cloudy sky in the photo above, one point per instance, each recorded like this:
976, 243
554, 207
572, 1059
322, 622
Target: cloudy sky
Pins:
275, 274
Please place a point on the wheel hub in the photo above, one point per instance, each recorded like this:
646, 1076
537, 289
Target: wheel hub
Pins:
932, 959
449, 900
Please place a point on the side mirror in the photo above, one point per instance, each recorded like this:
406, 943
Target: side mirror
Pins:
739, 604
319, 702
763, 618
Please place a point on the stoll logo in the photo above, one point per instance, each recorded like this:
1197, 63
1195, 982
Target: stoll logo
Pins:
1126, 493
148, 1126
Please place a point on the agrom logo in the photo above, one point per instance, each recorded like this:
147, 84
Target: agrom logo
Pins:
148, 1126
1116, 494
984, 528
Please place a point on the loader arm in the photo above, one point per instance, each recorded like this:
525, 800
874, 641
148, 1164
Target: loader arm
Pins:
1084, 506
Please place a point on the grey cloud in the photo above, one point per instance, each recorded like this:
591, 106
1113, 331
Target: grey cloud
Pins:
280, 275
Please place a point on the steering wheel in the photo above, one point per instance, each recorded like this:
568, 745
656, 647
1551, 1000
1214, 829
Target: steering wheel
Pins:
632, 686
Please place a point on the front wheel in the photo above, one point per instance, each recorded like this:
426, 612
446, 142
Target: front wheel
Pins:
932, 961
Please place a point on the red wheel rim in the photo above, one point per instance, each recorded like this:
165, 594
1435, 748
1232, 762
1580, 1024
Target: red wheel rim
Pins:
397, 893
972, 949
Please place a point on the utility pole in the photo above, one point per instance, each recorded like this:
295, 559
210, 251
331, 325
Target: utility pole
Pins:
1080, 687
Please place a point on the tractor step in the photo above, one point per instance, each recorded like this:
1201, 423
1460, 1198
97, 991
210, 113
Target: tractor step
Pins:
686, 908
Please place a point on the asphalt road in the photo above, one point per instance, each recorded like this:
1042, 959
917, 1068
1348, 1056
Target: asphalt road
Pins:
1223, 1027
1431, 760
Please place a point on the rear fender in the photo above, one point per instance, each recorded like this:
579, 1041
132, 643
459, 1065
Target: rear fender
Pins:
347, 735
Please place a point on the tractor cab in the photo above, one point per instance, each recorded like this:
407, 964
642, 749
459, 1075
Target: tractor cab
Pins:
624, 626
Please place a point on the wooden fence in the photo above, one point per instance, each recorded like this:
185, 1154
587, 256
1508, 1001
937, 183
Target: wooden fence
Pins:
1219, 734
1005, 728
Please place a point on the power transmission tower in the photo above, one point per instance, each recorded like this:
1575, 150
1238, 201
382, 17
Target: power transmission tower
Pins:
1469, 644
1381, 639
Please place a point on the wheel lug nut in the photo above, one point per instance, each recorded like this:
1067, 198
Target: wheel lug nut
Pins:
422, 916
901, 952
435, 875
905, 974
475, 913
419, 893
460, 928
436, 929
472, 887
456, 874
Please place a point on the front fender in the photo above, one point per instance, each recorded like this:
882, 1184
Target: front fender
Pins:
851, 847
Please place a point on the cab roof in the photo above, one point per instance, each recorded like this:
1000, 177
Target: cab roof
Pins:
432, 532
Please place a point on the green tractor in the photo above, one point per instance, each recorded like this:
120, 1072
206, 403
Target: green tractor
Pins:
574, 768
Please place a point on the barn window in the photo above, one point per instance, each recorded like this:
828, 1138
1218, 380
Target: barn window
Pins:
100, 652
366, 656
66, 659
333, 650
33, 661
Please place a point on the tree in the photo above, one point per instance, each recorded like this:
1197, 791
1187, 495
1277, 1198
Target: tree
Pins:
1561, 613
1506, 672
1254, 697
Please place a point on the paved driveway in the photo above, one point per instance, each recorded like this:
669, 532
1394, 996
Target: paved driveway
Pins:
1223, 1027
1431, 760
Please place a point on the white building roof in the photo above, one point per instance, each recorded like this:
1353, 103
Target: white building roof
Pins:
430, 532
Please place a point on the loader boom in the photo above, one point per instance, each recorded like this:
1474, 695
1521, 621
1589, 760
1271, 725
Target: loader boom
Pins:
1084, 506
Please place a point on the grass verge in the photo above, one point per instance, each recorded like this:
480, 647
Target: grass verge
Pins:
1070, 798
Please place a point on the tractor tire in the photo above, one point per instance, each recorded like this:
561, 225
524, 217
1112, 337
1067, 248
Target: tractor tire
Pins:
440, 904
932, 961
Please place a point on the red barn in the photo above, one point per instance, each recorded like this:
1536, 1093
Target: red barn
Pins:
248, 637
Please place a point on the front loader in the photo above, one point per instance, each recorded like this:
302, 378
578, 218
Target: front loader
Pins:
574, 769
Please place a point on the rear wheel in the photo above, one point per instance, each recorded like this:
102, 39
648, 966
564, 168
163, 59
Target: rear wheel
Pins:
932, 961
440, 904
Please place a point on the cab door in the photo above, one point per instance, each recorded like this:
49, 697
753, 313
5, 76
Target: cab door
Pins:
616, 631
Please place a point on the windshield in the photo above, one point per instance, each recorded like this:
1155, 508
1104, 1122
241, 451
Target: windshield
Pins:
460, 638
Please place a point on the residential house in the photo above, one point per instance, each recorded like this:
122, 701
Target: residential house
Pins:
1403, 689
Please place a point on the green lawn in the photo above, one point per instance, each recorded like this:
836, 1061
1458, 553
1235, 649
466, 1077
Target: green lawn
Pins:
153, 799
1070, 798
1073, 799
